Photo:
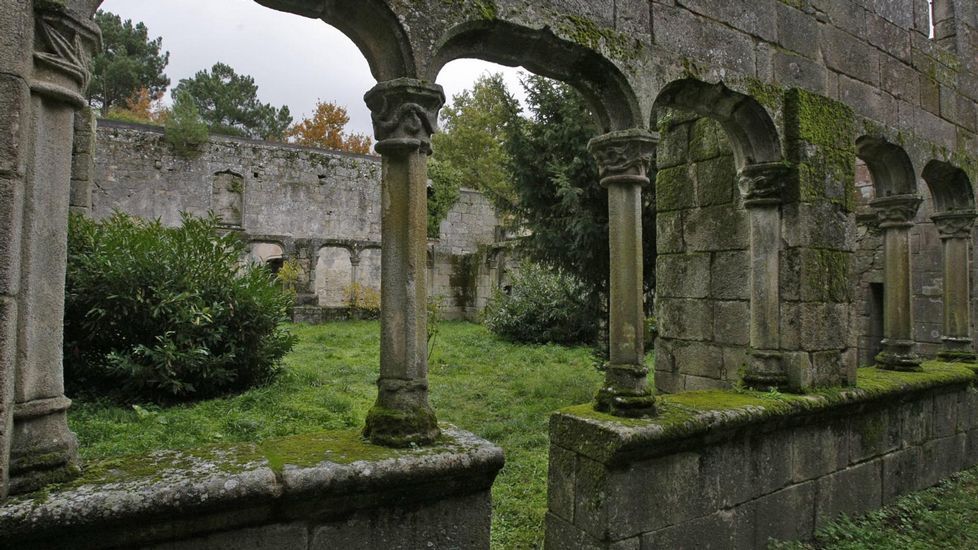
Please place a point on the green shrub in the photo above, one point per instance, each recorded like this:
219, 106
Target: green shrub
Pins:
543, 306
167, 314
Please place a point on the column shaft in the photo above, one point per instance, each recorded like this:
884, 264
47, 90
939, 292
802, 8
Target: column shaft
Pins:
761, 186
896, 219
404, 113
955, 230
623, 158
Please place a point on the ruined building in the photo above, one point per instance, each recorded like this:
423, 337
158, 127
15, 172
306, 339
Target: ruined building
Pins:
814, 165
318, 208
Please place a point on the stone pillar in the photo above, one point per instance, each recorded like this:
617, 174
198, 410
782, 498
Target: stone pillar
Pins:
355, 265
761, 186
405, 115
623, 158
44, 449
955, 230
896, 214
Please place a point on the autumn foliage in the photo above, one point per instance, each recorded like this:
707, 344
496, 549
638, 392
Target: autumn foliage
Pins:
326, 129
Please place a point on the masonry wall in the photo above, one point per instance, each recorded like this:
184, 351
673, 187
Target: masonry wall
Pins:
702, 267
734, 476
321, 208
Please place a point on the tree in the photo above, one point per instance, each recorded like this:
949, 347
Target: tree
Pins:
141, 107
474, 130
228, 103
185, 131
559, 199
128, 62
326, 129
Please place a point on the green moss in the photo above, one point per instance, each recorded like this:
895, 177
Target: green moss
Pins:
587, 33
673, 189
401, 428
825, 275
768, 95
819, 120
338, 447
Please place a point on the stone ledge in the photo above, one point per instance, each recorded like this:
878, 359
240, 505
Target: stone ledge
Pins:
312, 478
692, 419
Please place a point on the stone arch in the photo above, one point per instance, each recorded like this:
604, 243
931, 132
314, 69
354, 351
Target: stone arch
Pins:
227, 198
263, 251
752, 133
889, 165
949, 186
540, 51
370, 24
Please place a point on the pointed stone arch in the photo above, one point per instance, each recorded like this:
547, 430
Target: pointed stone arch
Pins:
541, 52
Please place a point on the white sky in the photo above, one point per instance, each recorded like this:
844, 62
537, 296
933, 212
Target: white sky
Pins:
294, 60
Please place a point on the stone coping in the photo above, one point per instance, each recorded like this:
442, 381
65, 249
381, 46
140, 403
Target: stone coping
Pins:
318, 475
215, 137
691, 419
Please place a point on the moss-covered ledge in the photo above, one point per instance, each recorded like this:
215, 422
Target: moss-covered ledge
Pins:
171, 495
692, 419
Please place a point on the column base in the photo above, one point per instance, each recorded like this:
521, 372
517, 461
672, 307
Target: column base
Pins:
898, 355
765, 371
626, 393
400, 428
44, 450
957, 350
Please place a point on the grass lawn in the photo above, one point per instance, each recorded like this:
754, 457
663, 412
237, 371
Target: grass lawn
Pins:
500, 391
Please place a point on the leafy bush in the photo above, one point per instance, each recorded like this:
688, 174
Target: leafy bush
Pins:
167, 314
289, 275
363, 301
543, 306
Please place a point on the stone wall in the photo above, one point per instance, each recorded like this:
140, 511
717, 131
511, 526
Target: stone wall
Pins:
702, 289
315, 492
326, 203
731, 470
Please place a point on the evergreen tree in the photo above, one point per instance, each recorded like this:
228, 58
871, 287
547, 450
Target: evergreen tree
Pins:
129, 62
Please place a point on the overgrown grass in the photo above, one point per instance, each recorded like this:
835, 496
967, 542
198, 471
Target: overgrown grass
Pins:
940, 517
500, 391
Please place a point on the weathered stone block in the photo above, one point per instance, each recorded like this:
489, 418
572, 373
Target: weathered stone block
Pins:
11, 222
788, 514
290, 535
748, 468
945, 415
14, 125
716, 228
916, 422
560, 483
902, 472
849, 55
673, 145
732, 323
683, 275
730, 276
716, 181
561, 535
873, 433
669, 232
796, 29
851, 491
706, 140
823, 326
819, 450
698, 359
723, 530
943, 457
674, 189
687, 319
700, 383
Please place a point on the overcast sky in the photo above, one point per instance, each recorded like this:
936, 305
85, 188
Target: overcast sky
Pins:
294, 60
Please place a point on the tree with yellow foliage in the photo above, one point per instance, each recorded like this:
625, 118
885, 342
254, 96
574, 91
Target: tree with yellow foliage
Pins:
326, 129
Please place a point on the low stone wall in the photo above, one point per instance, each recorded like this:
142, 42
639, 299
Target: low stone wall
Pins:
319, 491
726, 469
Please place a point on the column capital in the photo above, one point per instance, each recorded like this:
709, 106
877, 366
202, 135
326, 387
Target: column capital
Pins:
954, 225
624, 156
762, 184
896, 210
63, 49
405, 114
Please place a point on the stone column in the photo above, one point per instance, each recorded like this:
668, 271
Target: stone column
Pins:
354, 265
405, 114
44, 449
896, 214
761, 187
955, 230
623, 158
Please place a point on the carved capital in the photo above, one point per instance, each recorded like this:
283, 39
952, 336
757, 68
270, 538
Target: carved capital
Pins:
625, 156
762, 184
955, 225
405, 114
896, 210
63, 49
